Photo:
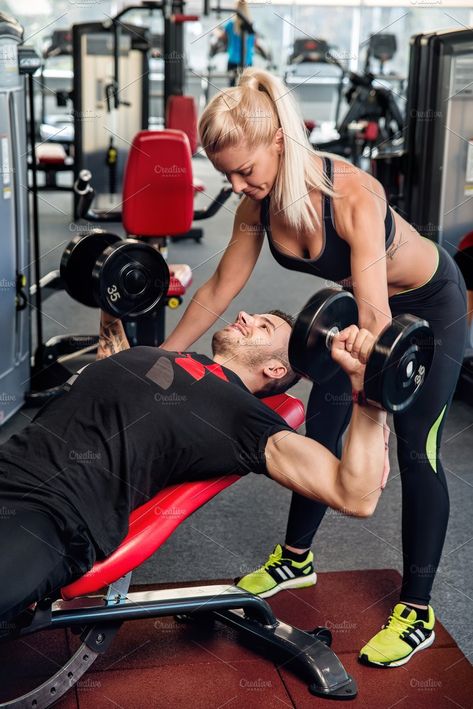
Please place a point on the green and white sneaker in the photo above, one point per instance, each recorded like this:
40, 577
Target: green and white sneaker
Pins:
279, 574
400, 639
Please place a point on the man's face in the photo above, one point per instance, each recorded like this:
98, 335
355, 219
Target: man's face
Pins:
252, 339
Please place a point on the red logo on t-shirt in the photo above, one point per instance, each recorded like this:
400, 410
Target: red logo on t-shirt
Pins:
197, 370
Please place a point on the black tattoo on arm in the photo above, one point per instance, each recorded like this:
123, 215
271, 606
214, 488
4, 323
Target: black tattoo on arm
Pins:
112, 337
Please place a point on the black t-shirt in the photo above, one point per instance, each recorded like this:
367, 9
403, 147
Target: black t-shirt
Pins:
128, 426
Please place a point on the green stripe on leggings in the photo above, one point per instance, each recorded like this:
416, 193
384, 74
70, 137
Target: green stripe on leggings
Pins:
431, 445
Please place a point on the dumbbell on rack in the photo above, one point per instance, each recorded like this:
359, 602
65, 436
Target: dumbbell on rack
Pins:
125, 277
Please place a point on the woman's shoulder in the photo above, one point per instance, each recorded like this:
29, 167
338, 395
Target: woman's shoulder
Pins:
356, 191
349, 179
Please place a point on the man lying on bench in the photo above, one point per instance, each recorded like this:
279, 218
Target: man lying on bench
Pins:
144, 418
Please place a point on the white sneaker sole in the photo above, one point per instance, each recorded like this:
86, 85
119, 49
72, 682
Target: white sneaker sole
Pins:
300, 582
425, 644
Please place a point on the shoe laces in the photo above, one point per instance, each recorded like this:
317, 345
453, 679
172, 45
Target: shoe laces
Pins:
274, 559
397, 625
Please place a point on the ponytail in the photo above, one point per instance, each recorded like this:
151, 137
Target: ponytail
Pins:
251, 113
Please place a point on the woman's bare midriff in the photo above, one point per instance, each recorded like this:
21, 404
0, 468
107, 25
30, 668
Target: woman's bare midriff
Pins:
411, 260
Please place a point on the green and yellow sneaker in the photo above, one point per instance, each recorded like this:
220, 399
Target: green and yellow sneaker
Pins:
398, 640
278, 574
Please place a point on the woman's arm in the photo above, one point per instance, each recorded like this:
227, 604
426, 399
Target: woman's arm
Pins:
359, 217
233, 271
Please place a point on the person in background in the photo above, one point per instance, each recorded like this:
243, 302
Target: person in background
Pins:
232, 35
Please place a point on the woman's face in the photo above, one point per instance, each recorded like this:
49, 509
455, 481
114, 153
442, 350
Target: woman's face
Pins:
252, 172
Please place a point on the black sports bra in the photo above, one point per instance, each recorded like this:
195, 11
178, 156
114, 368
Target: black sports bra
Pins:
333, 262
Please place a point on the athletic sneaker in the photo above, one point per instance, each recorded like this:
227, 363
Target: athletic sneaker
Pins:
278, 574
398, 640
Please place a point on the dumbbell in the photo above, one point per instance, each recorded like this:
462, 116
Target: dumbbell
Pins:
125, 277
399, 360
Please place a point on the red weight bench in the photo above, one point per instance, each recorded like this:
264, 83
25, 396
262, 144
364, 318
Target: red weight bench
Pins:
99, 616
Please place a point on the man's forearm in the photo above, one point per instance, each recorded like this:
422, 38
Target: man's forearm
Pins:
363, 460
112, 337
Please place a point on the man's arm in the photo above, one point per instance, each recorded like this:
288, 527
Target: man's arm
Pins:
112, 337
352, 484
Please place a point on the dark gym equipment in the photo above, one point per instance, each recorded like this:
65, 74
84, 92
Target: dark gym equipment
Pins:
398, 363
125, 277
309, 50
439, 174
369, 105
382, 47
319, 90
332, 309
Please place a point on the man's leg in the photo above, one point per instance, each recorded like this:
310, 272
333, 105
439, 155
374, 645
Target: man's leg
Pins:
34, 560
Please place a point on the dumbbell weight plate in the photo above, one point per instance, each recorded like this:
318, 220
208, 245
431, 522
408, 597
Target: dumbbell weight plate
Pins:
78, 260
308, 352
130, 279
399, 363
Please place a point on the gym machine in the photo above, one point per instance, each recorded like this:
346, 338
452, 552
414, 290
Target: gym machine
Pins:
111, 89
321, 95
15, 62
107, 118
373, 116
439, 170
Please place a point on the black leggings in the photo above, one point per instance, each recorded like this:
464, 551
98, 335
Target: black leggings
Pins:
35, 559
425, 501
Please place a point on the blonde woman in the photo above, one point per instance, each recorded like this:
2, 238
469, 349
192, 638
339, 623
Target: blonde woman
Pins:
323, 216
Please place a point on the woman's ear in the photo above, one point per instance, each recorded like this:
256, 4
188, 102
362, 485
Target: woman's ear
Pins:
279, 140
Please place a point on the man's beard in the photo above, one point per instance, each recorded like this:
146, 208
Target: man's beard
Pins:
224, 345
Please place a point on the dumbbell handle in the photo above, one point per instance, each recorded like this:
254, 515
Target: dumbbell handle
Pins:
331, 334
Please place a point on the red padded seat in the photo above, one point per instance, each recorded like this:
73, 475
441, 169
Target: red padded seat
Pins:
152, 523
158, 191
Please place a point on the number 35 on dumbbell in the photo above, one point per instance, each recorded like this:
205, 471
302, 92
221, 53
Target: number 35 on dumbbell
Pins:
125, 277
399, 360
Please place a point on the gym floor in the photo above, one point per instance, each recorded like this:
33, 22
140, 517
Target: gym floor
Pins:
235, 532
